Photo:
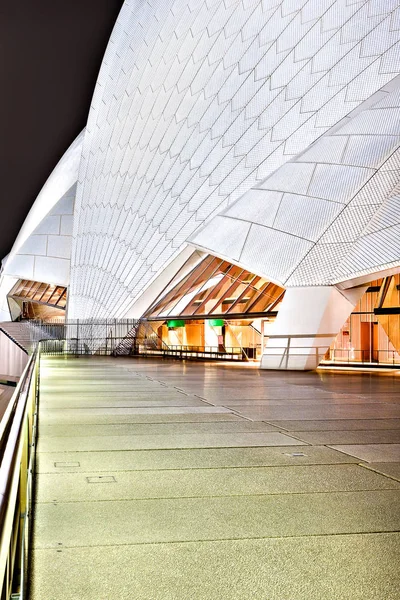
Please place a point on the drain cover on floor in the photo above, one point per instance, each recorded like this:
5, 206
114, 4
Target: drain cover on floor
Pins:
294, 454
102, 479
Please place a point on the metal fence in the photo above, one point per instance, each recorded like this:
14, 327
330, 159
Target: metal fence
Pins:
201, 352
115, 337
104, 338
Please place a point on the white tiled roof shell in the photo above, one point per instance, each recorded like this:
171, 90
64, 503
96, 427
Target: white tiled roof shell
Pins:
42, 249
59, 182
196, 102
330, 215
46, 253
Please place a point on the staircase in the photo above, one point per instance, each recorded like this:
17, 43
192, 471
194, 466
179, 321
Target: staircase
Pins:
141, 338
127, 345
26, 334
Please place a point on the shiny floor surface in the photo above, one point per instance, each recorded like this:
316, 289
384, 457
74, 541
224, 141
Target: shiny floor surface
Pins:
165, 480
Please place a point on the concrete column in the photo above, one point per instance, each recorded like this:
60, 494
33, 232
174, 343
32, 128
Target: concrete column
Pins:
308, 321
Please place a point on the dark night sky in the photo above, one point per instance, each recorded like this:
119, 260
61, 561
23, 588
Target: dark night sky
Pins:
50, 55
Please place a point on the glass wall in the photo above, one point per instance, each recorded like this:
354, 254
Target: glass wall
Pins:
213, 304
37, 300
372, 332
216, 287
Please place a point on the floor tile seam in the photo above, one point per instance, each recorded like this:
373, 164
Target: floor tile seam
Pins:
365, 466
333, 431
360, 444
357, 443
301, 402
106, 396
180, 449
133, 407
149, 423
67, 390
156, 435
278, 405
143, 394
347, 453
353, 443
294, 437
374, 418
385, 533
323, 407
234, 412
143, 449
224, 468
149, 433
210, 496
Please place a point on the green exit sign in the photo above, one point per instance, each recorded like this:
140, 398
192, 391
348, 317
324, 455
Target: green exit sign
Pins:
175, 323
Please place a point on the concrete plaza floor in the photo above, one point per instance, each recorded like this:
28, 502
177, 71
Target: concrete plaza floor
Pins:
167, 480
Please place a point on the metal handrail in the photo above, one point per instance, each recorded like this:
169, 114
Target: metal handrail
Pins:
206, 349
17, 445
5, 420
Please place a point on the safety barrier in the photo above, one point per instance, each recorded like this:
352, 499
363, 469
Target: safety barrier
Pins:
199, 352
18, 431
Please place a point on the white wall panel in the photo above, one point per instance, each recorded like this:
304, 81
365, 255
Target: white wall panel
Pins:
51, 270
35, 244
46, 254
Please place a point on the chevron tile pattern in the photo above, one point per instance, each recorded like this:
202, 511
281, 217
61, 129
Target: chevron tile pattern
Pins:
198, 102
329, 215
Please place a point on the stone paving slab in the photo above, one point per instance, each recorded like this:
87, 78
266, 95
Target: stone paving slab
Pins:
202, 458
150, 401
234, 517
308, 400
249, 394
338, 425
160, 441
312, 568
387, 398
125, 415
177, 410
391, 469
138, 406
68, 391
321, 412
84, 487
99, 383
382, 436
372, 452
62, 430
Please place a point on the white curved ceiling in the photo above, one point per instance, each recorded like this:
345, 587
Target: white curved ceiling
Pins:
329, 215
197, 102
